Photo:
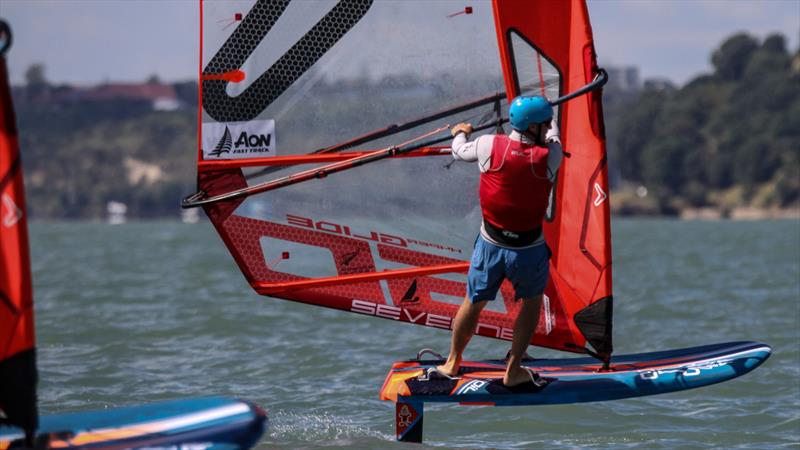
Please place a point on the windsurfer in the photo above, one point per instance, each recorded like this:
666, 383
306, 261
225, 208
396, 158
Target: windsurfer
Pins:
517, 174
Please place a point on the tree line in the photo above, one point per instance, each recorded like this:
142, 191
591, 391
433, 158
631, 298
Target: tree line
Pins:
726, 139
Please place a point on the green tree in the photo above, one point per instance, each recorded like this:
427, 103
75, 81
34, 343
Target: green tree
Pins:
768, 60
635, 130
736, 130
732, 57
35, 79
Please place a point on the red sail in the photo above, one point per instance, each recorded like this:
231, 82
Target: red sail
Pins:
392, 239
17, 360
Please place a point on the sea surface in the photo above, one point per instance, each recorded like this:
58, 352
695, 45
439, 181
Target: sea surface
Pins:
145, 311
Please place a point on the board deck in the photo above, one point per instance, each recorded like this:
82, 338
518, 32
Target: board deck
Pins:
572, 380
199, 423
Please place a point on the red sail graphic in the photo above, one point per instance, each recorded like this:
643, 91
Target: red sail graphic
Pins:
17, 361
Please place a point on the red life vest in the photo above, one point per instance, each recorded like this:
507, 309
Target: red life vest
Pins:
515, 191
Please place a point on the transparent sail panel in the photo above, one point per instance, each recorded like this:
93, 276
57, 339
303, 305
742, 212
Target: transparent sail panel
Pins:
535, 73
325, 72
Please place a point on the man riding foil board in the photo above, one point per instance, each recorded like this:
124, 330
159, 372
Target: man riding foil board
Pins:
517, 174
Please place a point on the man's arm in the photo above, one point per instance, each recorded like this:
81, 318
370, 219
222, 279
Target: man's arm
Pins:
460, 148
478, 150
463, 150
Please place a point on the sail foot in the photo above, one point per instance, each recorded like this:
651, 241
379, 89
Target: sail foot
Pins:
18, 391
595, 323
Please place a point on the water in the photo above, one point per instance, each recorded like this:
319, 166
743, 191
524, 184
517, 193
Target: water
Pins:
147, 311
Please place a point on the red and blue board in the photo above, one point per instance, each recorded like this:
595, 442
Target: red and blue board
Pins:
572, 380
198, 423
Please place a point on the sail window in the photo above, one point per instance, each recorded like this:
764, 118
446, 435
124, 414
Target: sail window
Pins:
534, 73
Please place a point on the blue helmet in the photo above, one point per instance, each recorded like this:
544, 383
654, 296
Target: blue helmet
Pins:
525, 111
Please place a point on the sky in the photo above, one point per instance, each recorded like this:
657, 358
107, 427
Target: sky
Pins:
85, 42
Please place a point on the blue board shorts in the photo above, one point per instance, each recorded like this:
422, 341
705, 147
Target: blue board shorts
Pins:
527, 269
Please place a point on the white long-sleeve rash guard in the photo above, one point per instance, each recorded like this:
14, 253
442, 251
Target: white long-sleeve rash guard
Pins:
480, 150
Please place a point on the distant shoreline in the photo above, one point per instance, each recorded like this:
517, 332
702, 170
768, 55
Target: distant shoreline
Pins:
739, 214
742, 213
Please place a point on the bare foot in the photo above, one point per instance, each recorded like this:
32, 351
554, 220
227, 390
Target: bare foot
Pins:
449, 368
519, 375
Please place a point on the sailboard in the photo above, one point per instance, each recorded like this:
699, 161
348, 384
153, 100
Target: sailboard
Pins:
323, 164
201, 423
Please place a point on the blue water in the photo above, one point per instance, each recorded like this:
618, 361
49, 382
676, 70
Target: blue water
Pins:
146, 311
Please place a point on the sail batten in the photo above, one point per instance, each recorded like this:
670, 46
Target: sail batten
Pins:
277, 288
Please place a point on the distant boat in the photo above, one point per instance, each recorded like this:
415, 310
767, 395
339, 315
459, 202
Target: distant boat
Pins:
116, 212
190, 216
